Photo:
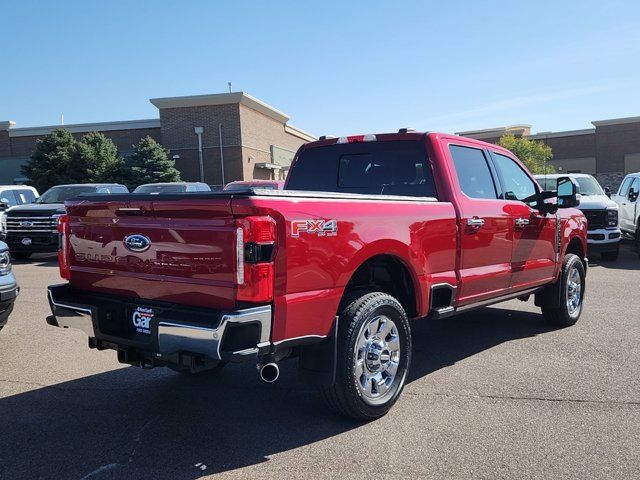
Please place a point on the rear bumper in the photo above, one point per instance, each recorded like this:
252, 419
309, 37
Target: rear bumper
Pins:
170, 329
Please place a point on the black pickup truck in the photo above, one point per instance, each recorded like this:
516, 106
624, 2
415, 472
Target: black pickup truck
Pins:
33, 228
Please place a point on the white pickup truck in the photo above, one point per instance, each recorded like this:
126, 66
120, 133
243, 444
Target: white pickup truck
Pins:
627, 200
603, 228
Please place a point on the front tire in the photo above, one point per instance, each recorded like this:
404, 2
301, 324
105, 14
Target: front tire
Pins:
374, 353
570, 288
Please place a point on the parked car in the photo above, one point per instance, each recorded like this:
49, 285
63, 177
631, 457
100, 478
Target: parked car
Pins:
12, 195
603, 235
627, 200
244, 184
173, 187
8, 285
369, 232
33, 228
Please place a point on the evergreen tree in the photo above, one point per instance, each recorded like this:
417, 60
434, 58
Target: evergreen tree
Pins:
149, 163
96, 160
50, 163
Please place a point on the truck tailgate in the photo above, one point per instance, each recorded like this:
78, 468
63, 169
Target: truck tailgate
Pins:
178, 250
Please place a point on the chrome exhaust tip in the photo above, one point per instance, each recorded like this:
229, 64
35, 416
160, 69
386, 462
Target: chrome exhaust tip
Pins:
269, 372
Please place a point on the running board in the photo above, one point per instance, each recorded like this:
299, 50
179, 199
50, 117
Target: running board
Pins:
444, 312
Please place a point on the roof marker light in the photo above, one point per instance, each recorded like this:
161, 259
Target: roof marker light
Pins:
357, 139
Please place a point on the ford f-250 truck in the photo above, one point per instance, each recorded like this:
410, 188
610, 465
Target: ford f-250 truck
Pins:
369, 232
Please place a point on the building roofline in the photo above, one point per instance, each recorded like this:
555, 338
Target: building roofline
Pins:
615, 121
566, 133
493, 132
6, 125
86, 127
221, 99
299, 133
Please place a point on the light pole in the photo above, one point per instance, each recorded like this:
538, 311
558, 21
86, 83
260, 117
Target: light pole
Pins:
199, 131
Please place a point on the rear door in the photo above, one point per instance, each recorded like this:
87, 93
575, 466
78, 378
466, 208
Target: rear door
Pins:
485, 227
534, 233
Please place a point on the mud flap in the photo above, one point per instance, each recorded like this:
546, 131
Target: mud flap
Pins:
317, 362
550, 296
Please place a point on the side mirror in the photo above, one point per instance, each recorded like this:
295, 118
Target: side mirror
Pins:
4, 204
633, 195
607, 192
567, 193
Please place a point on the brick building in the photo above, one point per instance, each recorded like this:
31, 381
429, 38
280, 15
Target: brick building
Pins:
608, 151
252, 138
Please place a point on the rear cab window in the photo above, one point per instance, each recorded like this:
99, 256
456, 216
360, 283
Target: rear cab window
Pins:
397, 167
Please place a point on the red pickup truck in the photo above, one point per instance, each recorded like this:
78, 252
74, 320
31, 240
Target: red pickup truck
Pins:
369, 232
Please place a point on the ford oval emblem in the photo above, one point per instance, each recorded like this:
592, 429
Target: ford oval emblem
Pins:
137, 243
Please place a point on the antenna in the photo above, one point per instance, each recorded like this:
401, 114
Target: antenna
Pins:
229, 84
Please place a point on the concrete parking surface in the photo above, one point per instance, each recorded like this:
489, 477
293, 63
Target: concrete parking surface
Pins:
493, 394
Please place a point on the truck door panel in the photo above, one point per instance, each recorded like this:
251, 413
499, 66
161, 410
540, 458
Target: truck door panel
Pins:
484, 230
534, 232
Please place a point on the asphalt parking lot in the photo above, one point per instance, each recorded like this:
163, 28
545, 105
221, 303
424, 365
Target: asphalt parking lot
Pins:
493, 394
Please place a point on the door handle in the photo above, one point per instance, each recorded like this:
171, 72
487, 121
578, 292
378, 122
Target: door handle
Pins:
522, 222
475, 222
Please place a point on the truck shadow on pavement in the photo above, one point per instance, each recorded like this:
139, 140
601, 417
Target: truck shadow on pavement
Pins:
130, 423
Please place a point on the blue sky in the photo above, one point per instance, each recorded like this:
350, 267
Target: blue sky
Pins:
334, 67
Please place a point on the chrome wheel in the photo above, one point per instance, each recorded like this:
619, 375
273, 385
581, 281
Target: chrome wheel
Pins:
376, 359
574, 292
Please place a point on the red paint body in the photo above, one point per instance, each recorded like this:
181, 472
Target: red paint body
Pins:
192, 260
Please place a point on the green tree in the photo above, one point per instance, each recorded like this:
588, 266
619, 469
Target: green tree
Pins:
534, 155
96, 160
149, 163
50, 163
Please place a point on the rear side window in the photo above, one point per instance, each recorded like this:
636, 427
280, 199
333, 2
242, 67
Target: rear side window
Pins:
473, 172
386, 168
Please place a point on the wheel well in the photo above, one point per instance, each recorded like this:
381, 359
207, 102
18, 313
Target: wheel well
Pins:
575, 247
384, 273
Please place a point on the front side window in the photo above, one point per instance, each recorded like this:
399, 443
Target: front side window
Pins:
473, 172
9, 198
517, 184
624, 188
635, 186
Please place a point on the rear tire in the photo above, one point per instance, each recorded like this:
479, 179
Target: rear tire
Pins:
611, 256
21, 255
373, 357
570, 288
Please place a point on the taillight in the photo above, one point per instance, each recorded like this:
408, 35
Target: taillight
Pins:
64, 249
255, 250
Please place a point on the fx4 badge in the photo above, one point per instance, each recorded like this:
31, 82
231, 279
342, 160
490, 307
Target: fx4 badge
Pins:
322, 228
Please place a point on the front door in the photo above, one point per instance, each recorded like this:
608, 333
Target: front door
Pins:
534, 233
628, 207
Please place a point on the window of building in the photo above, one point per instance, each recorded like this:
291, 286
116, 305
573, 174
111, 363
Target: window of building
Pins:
473, 172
